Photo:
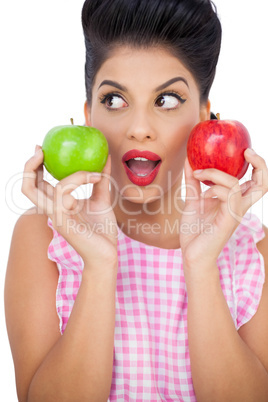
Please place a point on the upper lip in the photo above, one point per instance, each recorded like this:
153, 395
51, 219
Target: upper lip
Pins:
135, 153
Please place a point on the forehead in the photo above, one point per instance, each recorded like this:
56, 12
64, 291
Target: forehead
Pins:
147, 66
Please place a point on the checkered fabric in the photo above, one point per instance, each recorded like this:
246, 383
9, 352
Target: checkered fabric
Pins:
151, 355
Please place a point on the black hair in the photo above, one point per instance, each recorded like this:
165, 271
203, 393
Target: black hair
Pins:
189, 29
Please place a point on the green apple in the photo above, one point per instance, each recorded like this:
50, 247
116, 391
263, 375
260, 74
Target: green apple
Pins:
69, 149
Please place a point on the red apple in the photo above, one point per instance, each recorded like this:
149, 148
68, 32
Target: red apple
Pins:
219, 144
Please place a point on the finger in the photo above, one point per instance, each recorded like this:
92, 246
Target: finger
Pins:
39, 170
64, 202
108, 166
47, 188
246, 186
102, 188
35, 161
37, 147
30, 175
217, 177
38, 197
252, 194
29, 183
258, 186
193, 186
70, 204
75, 180
256, 160
42, 184
260, 171
230, 200
222, 193
39, 175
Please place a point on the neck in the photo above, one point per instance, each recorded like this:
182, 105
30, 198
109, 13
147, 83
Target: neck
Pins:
155, 222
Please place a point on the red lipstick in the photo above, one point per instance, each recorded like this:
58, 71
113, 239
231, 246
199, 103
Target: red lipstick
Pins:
141, 167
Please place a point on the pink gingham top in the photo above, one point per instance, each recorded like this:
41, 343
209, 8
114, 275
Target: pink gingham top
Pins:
151, 355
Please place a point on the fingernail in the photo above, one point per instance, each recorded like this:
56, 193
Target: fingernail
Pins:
251, 151
198, 171
38, 152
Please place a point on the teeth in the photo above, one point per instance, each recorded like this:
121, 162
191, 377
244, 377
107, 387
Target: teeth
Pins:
140, 159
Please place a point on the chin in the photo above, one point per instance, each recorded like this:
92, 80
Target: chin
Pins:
126, 191
140, 195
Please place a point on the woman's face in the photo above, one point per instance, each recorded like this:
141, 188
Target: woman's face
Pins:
146, 103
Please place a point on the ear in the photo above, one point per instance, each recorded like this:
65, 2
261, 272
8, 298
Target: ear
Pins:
87, 114
205, 111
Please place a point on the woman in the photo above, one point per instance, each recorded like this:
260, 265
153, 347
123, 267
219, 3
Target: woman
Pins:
159, 298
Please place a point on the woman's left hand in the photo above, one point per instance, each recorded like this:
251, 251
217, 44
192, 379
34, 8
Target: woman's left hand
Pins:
210, 218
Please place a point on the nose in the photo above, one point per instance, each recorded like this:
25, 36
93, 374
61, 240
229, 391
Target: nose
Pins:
141, 128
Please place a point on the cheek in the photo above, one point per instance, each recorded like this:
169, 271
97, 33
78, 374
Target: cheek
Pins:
177, 142
178, 128
110, 131
176, 149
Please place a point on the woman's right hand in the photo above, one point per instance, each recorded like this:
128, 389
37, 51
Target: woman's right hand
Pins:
88, 225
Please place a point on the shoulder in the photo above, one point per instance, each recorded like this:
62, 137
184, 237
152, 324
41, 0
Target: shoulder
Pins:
255, 332
30, 241
33, 223
28, 263
28, 259
30, 297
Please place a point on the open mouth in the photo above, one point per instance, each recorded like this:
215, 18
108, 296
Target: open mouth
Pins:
141, 166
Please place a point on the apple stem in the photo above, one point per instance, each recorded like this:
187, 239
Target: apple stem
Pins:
218, 116
72, 121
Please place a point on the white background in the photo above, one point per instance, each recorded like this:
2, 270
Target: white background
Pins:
42, 85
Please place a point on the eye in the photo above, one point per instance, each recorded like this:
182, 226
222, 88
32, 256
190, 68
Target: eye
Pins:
113, 101
169, 101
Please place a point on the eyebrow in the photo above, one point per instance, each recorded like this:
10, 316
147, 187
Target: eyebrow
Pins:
113, 84
159, 88
169, 82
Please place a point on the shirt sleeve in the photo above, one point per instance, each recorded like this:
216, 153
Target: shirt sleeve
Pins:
249, 273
